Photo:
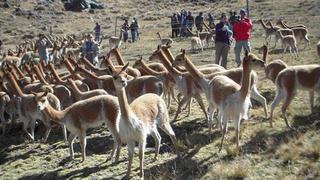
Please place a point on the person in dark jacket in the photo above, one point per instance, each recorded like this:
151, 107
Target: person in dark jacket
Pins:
125, 28
190, 20
199, 22
241, 33
223, 35
211, 21
174, 25
133, 29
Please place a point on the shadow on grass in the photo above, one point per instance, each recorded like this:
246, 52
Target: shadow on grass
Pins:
184, 167
275, 51
263, 142
95, 145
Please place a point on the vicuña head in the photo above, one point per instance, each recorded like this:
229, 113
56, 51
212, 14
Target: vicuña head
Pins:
252, 61
120, 78
41, 99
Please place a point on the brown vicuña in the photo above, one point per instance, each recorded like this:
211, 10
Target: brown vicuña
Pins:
85, 114
140, 119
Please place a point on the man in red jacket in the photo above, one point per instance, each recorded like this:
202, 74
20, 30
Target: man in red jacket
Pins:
241, 33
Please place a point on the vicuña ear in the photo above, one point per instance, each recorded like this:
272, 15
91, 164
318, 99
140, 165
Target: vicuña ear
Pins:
110, 69
168, 45
45, 92
159, 46
183, 51
125, 67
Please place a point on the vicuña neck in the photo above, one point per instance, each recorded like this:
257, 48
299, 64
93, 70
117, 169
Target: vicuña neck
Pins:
89, 64
15, 85
39, 75
55, 74
21, 75
123, 102
284, 25
170, 58
150, 71
265, 54
263, 24
27, 67
87, 74
196, 74
168, 65
53, 114
246, 80
75, 88
193, 70
118, 57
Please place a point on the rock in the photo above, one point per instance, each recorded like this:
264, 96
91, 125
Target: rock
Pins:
18, 12
6, 5
28, 36
44, 28
39, 8
13, 17
8, 31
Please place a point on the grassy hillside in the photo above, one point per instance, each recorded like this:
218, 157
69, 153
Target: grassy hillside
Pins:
267, 153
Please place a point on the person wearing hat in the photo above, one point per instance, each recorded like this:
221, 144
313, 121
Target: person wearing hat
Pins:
222, 40
137, 26
42, 45
90, 49
133, 29
241, 33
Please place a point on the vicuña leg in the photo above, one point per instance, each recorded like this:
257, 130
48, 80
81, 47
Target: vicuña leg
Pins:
275, 102
257, 96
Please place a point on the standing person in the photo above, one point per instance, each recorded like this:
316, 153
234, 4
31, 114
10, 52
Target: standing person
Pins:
133, 29
232, 18
42, 45
211, 21
199, 22
90, 50
190, 20
241, 33
223, 35
183, 23
179, 22
97, 32
174, 25
125, 28
137, 26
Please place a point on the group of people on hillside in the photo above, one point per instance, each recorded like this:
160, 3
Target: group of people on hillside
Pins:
133, 28
90, 48
236, 27
182, 23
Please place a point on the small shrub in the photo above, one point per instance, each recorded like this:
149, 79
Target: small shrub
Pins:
240, 171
